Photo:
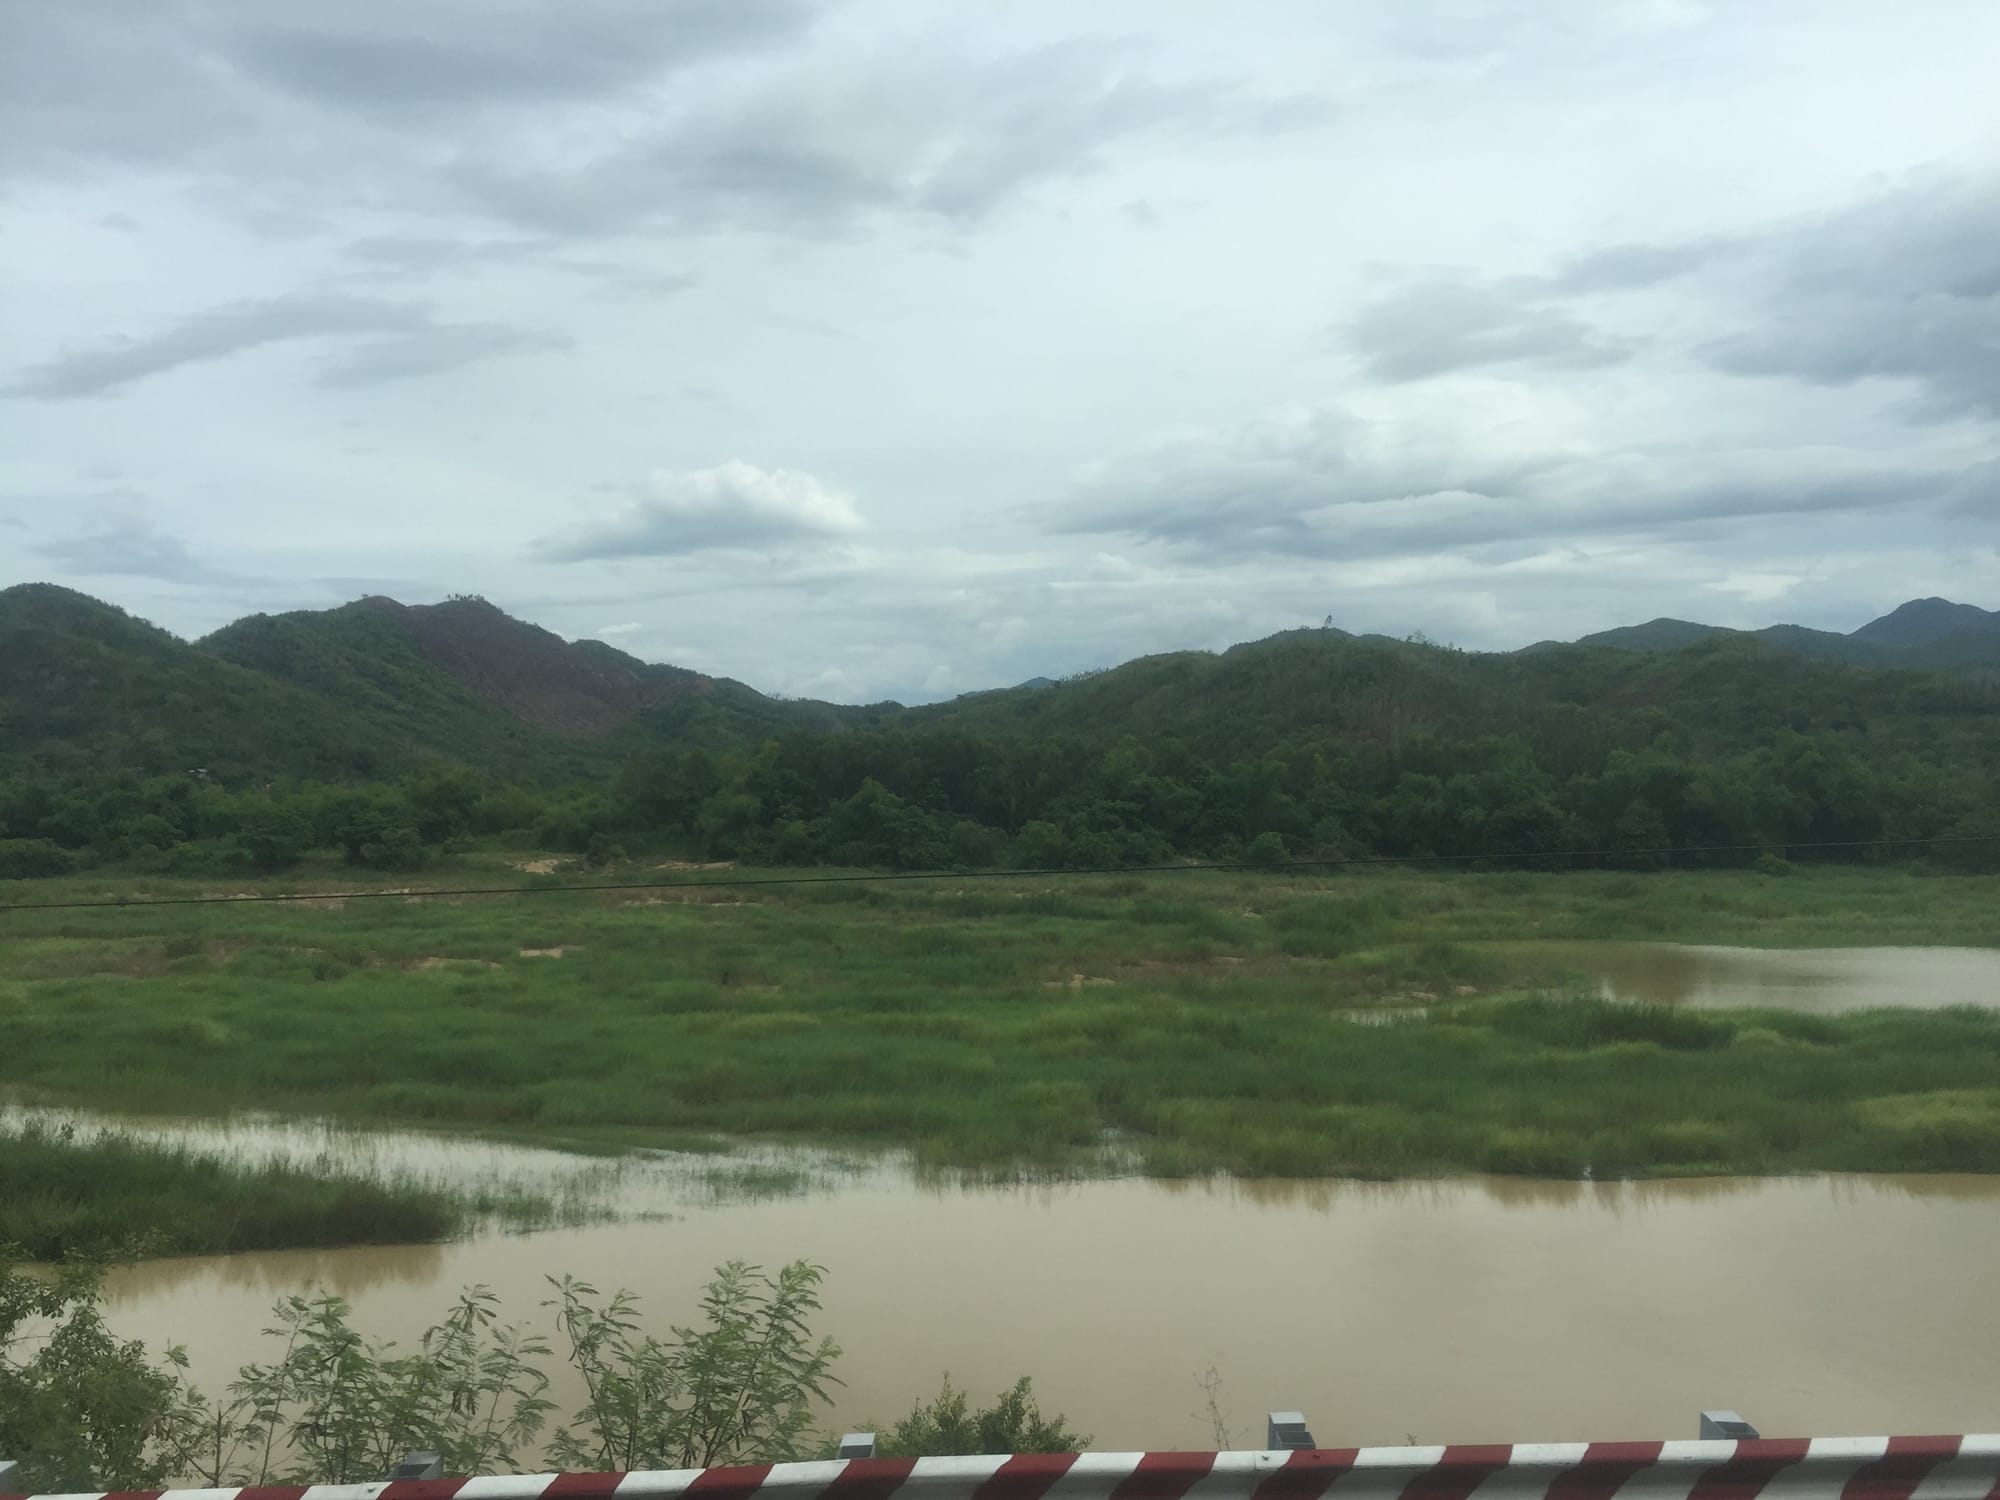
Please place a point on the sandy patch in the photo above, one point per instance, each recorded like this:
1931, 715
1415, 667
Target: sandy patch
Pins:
433, 961
539, 866
543, 952
689, 864
1075, 982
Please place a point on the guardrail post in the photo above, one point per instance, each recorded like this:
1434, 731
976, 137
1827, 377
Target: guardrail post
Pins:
857, 1445
1725, 1424
10, 1475
419, 1464
1287, 1429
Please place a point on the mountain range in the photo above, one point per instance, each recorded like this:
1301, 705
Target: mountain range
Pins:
375, 687
1933, 633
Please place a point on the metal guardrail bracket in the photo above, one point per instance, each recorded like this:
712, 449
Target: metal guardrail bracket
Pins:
10, 1476
1725, 1424
1287, 1429
419, 1464
857, 1445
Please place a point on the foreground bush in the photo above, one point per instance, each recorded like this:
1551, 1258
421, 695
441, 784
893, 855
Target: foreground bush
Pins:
946, 1425
82, 1410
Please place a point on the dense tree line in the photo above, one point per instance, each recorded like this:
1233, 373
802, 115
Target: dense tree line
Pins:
953, 797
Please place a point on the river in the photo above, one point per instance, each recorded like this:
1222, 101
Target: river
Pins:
1481, 1310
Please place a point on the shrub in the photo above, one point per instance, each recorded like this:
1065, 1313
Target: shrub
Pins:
398, 849
34, 859
1267, 849
81, 1409
946, 1425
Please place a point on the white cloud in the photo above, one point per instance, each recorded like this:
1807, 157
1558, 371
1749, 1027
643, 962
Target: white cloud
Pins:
733, 505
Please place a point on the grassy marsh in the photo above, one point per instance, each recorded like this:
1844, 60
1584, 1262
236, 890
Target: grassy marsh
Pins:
1193, 1022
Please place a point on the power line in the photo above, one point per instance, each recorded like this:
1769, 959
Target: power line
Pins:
885, 877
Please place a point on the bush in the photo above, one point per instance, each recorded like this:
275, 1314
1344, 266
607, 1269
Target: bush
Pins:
1267, 849
84, 1411
1039, 846
946, 1426
399, 849
274, 837
34, 859
80, 1409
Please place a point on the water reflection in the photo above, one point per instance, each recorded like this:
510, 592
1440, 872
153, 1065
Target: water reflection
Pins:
1820, 980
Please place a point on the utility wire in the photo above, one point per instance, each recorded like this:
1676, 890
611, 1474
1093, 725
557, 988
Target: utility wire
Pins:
1331, 862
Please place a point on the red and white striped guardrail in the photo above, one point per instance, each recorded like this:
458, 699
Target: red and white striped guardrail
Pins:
1901, 1468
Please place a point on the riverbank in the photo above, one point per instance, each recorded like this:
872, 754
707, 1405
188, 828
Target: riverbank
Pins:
1167, 1025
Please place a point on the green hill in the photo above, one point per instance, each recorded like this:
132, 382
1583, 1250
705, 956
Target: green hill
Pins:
369, 690
85, 687
1655, 635
1725, 693
504, 688
1923, 622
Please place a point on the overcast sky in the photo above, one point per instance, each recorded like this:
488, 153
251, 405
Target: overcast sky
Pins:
866, 348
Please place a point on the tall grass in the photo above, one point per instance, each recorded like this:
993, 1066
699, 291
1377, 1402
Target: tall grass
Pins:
1201, 1020
110, 1193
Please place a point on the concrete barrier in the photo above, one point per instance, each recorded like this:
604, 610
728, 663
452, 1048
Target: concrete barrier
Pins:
1903, 1468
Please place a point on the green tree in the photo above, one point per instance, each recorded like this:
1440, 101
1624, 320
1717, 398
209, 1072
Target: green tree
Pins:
274, 836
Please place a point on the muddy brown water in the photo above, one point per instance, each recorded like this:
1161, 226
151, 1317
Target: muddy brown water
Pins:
1821, 980
1480, 1310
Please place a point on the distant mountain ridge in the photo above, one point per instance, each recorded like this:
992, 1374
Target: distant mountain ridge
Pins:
367, 689
1923, 633
375, 688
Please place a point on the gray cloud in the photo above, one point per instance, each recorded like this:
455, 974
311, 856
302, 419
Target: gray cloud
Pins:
132, 547
1324, 483
1617, 268
940, 136
734, 505
400, 258
215, 333
1902, 285
96, 80
421, 344
1446, 323
421, 254
388, 56
1905, 286
433, 349
516, 102
148, 84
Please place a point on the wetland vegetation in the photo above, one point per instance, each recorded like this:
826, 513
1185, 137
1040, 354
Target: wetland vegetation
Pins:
1169, 1024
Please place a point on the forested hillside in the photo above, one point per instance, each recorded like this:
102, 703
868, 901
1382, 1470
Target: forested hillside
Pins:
86, 688
390, 734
